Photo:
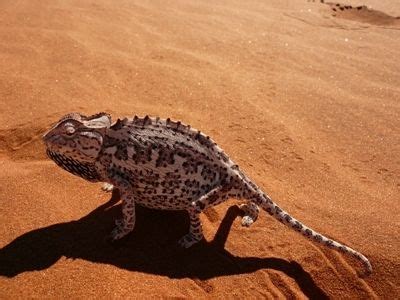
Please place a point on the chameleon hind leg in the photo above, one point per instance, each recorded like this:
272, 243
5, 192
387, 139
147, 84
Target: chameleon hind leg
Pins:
195, 233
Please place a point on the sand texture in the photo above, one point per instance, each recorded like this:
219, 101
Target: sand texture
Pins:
303, 95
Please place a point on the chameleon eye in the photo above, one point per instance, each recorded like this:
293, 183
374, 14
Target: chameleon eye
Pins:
70, 130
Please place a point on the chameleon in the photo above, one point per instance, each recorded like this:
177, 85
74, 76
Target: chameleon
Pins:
164, 164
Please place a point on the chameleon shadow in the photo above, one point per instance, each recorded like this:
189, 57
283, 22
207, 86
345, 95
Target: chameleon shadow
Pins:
150, 248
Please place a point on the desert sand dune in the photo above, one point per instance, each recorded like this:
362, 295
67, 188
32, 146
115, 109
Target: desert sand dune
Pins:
303, 97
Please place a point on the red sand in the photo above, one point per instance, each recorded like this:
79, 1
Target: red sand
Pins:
305, 99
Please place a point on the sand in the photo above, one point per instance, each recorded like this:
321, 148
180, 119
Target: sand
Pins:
304, 98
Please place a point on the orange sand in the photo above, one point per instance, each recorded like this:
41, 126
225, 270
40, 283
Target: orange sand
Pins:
304, 99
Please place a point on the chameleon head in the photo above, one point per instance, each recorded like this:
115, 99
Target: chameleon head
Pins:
77, 137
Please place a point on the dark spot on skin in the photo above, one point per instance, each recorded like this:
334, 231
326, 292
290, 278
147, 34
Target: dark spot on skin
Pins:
298, 226
201, 205
318, 238
329, 243
269, 210
288, 218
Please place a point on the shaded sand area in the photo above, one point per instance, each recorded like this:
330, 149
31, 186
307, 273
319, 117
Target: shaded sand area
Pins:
303, 97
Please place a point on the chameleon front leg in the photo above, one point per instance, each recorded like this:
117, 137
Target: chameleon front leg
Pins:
127, 223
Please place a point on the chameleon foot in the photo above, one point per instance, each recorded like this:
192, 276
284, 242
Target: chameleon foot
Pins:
189, 240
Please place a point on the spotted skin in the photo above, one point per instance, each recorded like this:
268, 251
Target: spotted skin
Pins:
163, 164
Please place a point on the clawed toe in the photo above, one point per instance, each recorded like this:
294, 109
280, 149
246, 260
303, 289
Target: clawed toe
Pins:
119, 222
251, 211
119, 232
116, 234
247, 221
107, 187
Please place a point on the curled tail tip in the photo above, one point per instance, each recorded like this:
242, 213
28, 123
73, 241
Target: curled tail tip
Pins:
269, 206
367, 271
368, 268
365, 262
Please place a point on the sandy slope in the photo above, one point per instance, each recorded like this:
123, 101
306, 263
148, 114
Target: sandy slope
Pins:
303, 97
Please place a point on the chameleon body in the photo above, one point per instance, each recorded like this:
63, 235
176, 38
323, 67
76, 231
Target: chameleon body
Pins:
163, 164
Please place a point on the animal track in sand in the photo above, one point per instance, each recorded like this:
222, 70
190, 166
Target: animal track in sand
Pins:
363, 14
204, 284
21, 142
